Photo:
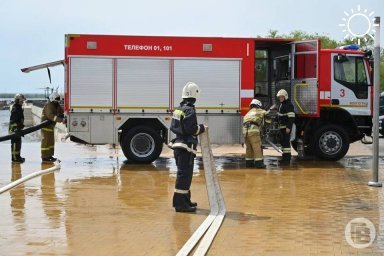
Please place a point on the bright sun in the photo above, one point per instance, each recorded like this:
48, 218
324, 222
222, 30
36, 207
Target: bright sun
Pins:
358, 24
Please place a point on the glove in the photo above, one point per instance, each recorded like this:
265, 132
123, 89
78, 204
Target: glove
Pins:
64, 120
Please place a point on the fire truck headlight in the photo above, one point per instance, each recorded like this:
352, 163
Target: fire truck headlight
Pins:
83, 123
74, 123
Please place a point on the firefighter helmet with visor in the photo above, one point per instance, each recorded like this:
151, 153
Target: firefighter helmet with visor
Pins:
191, 90
282, 92
257, 103
54, 97
19, 98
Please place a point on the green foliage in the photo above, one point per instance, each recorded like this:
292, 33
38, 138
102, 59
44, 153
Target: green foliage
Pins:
326, 41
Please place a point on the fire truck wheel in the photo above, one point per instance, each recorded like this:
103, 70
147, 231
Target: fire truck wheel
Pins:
331, 142
142, 144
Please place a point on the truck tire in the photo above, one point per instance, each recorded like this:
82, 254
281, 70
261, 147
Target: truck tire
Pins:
330, 142
142, 144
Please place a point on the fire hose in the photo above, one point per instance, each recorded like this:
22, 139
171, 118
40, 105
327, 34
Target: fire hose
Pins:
207, 231
29, 177
28, 130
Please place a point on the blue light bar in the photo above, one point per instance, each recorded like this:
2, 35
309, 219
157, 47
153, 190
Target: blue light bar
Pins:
353, 47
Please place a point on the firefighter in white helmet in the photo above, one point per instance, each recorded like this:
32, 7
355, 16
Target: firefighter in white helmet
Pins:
252, 123
16, 124
54, 112
184, 125
286, 117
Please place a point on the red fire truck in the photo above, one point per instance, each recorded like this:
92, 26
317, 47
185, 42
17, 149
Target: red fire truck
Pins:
123, 89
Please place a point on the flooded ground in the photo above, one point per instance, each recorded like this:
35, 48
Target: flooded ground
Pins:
100, 205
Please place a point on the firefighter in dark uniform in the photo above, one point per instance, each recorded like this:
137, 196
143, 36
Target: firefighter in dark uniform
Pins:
252, 123
54, 112
16, 124
286, 117
184, 125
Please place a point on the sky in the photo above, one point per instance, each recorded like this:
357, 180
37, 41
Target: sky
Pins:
32, 32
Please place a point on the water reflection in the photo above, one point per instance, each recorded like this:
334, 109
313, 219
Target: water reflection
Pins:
144, 185
181, 229
50, 201
17, 196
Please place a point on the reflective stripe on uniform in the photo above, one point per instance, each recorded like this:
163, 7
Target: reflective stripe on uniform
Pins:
14, 152
286, 150
198, 130
47, 129
177, 114
47, 148
291, 114
181, 191
182, 145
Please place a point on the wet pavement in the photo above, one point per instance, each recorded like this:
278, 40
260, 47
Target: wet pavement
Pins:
100, 205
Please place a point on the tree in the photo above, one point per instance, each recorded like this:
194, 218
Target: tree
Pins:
273, 34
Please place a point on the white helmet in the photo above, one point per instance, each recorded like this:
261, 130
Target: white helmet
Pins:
54, 97
256, 103
282, 92
190, 90
19, 98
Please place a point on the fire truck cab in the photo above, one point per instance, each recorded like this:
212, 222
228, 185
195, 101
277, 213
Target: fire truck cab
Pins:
123, 89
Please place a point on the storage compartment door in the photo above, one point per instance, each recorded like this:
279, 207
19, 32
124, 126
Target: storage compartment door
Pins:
143, 85
91, 84
219, 81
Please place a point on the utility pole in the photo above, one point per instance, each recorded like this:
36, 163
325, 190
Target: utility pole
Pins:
376, 94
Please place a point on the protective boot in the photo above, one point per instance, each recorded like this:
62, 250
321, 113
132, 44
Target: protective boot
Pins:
249, 163
286, 159
18, 159
181, 203
259, 164
192, 204
47, 159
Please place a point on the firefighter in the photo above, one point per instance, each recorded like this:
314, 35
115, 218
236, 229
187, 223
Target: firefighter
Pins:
252, 123
286, 116
54, 112
16, 124
184, 125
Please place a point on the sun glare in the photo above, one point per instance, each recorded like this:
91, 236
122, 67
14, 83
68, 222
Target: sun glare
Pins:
358, 24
